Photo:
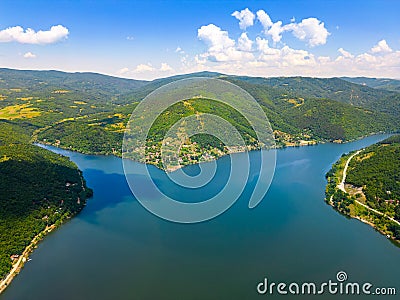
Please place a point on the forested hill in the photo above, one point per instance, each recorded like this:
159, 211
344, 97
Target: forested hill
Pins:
83, 81
335, 89
88, 112
38, 188
372, 186
378, 83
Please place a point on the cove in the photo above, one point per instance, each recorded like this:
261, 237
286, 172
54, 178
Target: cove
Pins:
115, 249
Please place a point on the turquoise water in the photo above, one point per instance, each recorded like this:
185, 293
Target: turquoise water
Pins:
115, 249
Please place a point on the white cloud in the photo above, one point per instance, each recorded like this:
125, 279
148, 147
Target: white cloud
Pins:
381, 47
220, 46
165, 67
270, 28
265, 52
264, 18
257, 57
282, 57
29, 55
146, 71
216, 38
143, 68
123, 71
179, 50
29, 36
268, 55
245, 17
130, 38
311, 30
345, 54
276, 31
244, 43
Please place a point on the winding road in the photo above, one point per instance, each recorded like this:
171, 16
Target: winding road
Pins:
341, 187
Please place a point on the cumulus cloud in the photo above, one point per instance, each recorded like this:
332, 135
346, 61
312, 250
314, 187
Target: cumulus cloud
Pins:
245, 17
244, 43
220, 46
147, 71
311, 30
270, 28
263, 56
123, 71
282, 57
29, 36
276, 31
143, 68
29, 55
381, 47
216, 38
267, 54
165, 67
264, 18
345, 54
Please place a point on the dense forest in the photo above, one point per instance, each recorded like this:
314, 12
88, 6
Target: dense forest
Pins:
373, 178
88, 112
37, 188
377, 83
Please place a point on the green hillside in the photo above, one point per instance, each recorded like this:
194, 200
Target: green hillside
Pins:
332, 88
377, 170
38, 188
372, 186
377, 83
88, 112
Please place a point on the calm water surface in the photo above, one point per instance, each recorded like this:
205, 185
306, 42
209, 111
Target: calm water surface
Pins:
115, 249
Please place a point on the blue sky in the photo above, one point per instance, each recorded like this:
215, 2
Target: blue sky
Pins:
150, 39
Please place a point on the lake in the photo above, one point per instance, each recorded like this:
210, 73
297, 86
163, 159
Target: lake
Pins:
115, 249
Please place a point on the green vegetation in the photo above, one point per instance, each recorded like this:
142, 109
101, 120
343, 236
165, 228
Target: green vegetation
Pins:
372, 186
88, 112
335, 89
38, 188
377, 171
200, 147
377, 83
311, 108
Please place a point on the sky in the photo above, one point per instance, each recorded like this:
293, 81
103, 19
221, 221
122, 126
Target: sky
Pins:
153, 39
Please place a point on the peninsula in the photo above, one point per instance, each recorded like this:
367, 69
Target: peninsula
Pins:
365, 185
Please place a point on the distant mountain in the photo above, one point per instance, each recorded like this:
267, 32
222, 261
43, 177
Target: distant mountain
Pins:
331, 88
91, 83
139, 94
314, 105
378, 83
88, 111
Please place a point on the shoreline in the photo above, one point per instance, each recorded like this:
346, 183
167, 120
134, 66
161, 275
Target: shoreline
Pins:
23, 258
18, 265
276, 147
341, 186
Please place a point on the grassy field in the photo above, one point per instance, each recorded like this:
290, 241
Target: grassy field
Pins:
19, 111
